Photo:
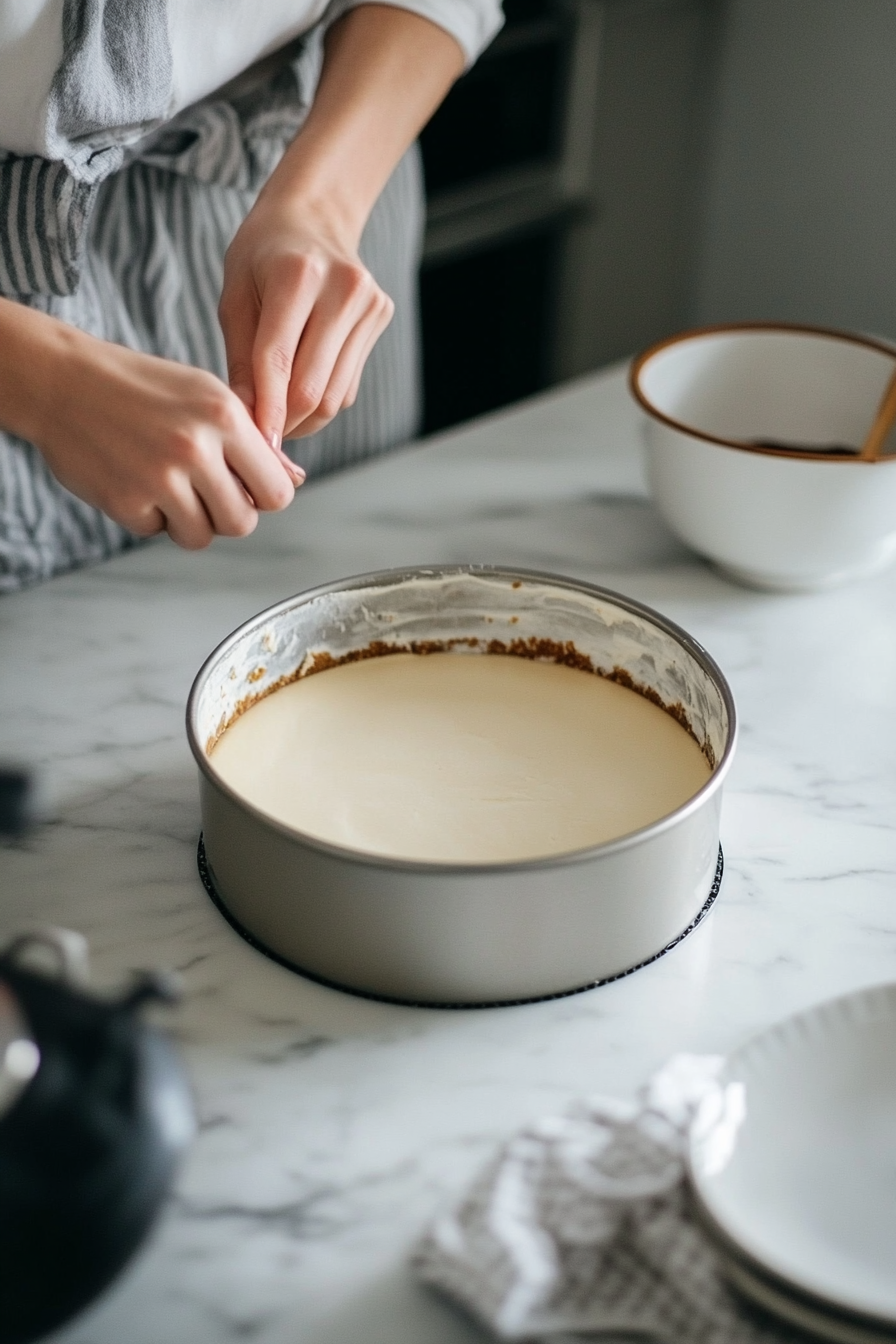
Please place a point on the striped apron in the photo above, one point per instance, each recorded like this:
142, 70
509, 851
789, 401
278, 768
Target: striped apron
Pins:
151, 279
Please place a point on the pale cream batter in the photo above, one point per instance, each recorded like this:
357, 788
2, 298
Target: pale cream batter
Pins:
460, 758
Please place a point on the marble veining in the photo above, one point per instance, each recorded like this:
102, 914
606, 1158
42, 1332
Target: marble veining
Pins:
332, 1127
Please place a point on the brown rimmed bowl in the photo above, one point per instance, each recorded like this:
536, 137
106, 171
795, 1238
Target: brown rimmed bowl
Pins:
752, 436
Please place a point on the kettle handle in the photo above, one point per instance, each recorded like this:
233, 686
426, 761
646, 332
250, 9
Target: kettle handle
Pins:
73, 970
69, 947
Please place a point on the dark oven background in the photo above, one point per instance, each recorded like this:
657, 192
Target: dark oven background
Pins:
562, 173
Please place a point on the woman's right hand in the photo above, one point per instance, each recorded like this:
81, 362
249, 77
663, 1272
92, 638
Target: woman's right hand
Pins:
158, 446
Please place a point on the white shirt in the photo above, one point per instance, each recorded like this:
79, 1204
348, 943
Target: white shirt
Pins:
211, 42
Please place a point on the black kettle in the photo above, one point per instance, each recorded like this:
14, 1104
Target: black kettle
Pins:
95, 1113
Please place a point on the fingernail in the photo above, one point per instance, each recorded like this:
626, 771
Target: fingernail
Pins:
296, 472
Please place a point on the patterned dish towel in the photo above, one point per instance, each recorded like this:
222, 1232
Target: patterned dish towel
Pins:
582, 1227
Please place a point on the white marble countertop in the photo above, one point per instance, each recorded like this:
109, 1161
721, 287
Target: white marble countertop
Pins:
333, 1127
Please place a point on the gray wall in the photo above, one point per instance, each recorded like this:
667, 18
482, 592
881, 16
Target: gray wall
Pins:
800, 208
629, 266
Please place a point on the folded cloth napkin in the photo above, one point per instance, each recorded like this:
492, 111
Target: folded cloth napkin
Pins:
583, 1226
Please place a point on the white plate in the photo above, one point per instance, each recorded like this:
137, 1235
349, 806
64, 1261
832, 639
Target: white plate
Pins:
798, 1311
795, 1159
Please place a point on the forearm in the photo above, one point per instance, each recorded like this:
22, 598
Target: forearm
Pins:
31, 348
385, 72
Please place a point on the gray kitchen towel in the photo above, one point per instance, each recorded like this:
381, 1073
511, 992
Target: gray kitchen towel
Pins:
114, 78
582, 1226
112, 86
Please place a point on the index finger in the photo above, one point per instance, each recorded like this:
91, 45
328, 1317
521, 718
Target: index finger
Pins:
289, 297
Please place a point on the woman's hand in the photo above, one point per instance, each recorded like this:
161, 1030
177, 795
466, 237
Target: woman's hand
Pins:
157, 446
300, 315
299, 311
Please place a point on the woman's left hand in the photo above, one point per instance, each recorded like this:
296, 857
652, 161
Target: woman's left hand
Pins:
300, 314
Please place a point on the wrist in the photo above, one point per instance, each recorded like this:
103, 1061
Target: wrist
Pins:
312, 183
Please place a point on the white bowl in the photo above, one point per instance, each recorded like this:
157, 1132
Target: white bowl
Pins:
791, 520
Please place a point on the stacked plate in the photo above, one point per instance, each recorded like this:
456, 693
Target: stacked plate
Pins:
793, 1164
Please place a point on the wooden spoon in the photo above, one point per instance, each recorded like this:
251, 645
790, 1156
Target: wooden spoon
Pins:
882, 423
